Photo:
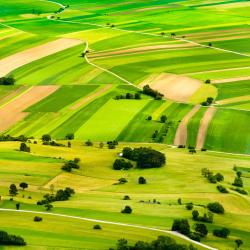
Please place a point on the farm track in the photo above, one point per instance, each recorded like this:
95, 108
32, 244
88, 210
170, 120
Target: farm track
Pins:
112, 223
181, 133
204, 124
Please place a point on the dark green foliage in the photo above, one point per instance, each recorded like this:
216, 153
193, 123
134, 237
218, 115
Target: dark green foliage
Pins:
127, 210
122, 180
17, 206
161, 243
129, 96
97, 227
208, 102
216, 207
179, 201
163, 118
211, 177
154, 93
89, 143
238, 182
145, 157
189, 206
12, 138
222, 189
195, 214
238, 242
48, 206
70, 136
7, 80
126, 197
219, 177
38, 219
8, 239
13, 190
142, 180
149, 118
46, 138
239, 190
182, 226
208, 81
23, 185
201, 229
222, 233
69, 165
24, 147
121, 164
195, 236
112, 144
205, 218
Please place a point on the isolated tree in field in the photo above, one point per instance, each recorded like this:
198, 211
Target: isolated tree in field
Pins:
208, 81
142, 180
173, 35
23, 185
238, 243
210, 44
89, 143
13, 190
70, 136
24, 147
69, 144
101, 145
163, 118
149, 118
46, 138
222, 233
127, 210
179, 201
17, 206
189, 206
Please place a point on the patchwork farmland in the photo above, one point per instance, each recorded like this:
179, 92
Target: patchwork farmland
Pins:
78, 71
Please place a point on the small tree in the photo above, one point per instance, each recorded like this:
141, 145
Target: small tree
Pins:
216, 207
24, 147
101, 145
195, 214
238, 182
48, 206
222, 233
189, 206
13, 190
17, 206
69, 144
238, 242
182, 226
46, 138
97, 227
163, 118
126, 197
149, 118
70, 136
208, 81
127, 210
23, 185
201, 229
89, 143
142, 180
179, 201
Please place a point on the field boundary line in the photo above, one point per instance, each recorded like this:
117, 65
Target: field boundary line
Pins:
174, 233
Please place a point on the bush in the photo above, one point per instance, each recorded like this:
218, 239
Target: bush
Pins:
38, 219
222, 233
222, 189
69, 165
97, 227
182, 226
241, 191
127, 210
122, 180
121, 164
201, 229
216, 207
238, 182
24, 147
89, 143
219, 177
126, 197
195, 214
142, 180
70, 136
189, 206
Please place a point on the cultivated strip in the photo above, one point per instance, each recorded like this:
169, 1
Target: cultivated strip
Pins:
234, 99
181, 133
11, 112
204, 124
235, 79
19, 59
113, 223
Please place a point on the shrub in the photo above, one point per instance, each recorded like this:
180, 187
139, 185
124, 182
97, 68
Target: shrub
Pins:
97, 227
126, 197
239, 190
89, 143
208, 81
38, 219
222, 189
222, 233
70, 136
219, 177
201, 229
127, 210
122, 180
189, 206
149, 118
238, 182
69, 165
46, 138
24, 147
216, 207
121, 164
142, 180
163, 118
182, 226
195, 214
195, 236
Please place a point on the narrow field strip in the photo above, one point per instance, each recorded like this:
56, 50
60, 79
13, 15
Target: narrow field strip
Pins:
204, 124
234, 99
11, 112
113, 223
91, 97
235, 79
19, 59
181, 133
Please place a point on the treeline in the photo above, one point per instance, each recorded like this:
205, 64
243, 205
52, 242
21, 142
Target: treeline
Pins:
162, 242
129, 96
21, 138
9, 239
7, 80
151, 92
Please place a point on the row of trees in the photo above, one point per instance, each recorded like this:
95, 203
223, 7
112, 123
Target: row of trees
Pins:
151, 92
129, 96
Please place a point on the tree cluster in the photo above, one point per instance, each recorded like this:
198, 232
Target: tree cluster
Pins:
129, 96
208, 102
211, 177
144, 157
69, 165
9, 239
112, 144
121, 164
216, 207
162, 242
151, 92
7, 80
208, 218
222, 233
222, 189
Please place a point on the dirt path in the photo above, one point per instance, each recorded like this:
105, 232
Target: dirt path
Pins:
235, 79
113, 223
11, 112
91, 97
205, 121
181, 133
234, 99
174, 87
19, 59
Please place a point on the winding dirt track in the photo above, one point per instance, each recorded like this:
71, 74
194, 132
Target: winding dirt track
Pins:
205, 121
12, 112
181, 133
19, 59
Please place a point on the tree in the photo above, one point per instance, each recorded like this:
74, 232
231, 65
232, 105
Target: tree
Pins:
238, 242
201, 229
17, 206
48, 206
89, 143
126, 197
216, 207
23, 185
142, 180
208, 81
222, 233
137, 96
101, 145
182, 226
121, 164
179, 201
189, 206
69, 144
13, 190
239, 174
219, 177
210, 44
24, 147
238, 182
70, 136
149, 118
46, 138
163, 118
127, 210
8, 239
7, 80
97, 227
38, 218
127, 153
195, 214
